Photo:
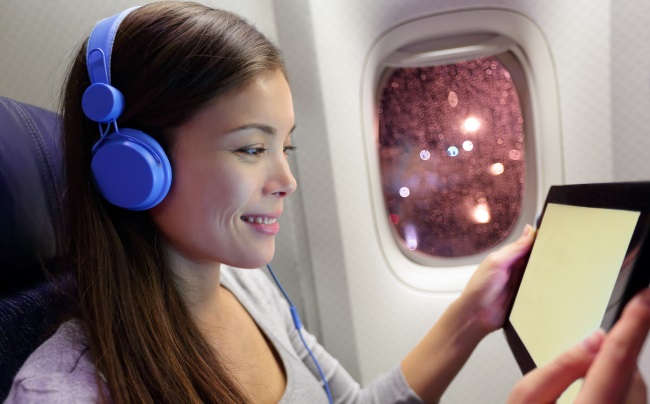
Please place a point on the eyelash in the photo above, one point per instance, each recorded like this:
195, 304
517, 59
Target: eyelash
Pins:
258, 151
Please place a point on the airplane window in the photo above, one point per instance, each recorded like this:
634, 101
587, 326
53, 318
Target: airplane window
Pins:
451, 153
462, 133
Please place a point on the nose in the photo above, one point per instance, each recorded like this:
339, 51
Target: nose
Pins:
281, 181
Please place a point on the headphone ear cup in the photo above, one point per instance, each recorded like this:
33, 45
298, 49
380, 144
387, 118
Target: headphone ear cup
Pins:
131, 170
102, 102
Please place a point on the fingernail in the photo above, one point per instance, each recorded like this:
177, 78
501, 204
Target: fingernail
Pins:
593, 342
527, 230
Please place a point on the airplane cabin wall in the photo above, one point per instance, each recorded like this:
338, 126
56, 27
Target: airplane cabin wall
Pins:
38, 39
630, 101
329, 255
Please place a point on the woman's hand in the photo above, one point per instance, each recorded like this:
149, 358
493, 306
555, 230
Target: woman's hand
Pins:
489, 292
608, 363
481, 308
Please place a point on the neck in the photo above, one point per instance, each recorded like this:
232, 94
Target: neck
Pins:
199, 286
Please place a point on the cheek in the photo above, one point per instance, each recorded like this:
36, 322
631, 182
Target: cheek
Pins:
203, 192
184, 200
230, 194
224, 191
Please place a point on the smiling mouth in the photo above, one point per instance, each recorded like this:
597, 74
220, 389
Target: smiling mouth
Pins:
259, 219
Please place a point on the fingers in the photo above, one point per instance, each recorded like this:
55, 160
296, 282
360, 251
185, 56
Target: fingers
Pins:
508, 254
493, 270
609, 364
611, 374
489, 291
508, 264
547, 383
637, 393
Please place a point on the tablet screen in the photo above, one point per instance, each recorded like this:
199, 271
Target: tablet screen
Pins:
576, 260
569, 282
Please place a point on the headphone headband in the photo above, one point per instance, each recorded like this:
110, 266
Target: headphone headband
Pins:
100, 47
130, 168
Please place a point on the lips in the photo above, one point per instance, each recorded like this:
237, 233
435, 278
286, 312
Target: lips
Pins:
263, 224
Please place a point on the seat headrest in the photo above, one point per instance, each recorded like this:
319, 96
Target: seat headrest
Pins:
31, 186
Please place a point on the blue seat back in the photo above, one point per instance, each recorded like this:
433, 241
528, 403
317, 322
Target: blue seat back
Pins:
31, 189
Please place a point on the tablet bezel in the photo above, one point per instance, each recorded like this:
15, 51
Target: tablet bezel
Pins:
630, 196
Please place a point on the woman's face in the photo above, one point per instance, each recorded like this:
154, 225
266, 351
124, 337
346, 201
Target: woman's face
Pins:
230, 177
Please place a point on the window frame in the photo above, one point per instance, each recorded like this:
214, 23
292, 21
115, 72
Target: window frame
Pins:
449, 38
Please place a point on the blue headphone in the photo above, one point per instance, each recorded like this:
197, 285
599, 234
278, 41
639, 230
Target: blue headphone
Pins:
130, 168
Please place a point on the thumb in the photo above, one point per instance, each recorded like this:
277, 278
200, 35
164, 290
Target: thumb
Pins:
508, 254
545, 384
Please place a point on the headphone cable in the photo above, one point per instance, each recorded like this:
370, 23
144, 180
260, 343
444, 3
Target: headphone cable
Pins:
298, 325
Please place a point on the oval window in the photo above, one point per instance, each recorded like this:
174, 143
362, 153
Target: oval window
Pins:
451, 153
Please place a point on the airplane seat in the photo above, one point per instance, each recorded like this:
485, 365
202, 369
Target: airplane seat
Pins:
31, 189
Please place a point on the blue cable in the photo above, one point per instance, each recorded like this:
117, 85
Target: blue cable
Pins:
298, 324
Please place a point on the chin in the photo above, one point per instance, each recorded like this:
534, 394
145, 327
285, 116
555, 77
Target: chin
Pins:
251, 262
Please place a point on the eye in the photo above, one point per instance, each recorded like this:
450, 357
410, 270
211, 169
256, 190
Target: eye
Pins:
252, 150
288, 149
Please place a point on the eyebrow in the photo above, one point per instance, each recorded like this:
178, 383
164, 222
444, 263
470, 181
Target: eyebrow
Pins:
266, 129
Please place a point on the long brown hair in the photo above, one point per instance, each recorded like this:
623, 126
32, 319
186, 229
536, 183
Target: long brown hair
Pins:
169, 59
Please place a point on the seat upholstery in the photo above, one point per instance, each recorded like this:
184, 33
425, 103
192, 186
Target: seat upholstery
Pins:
31, 190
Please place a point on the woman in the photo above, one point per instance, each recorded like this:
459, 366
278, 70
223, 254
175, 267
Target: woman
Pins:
165, 314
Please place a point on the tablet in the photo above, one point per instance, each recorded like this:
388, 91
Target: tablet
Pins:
590, 256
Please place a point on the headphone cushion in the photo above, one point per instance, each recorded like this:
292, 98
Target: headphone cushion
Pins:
102, 102
131, 170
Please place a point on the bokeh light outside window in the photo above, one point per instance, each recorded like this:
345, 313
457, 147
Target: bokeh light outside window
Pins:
452, 161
